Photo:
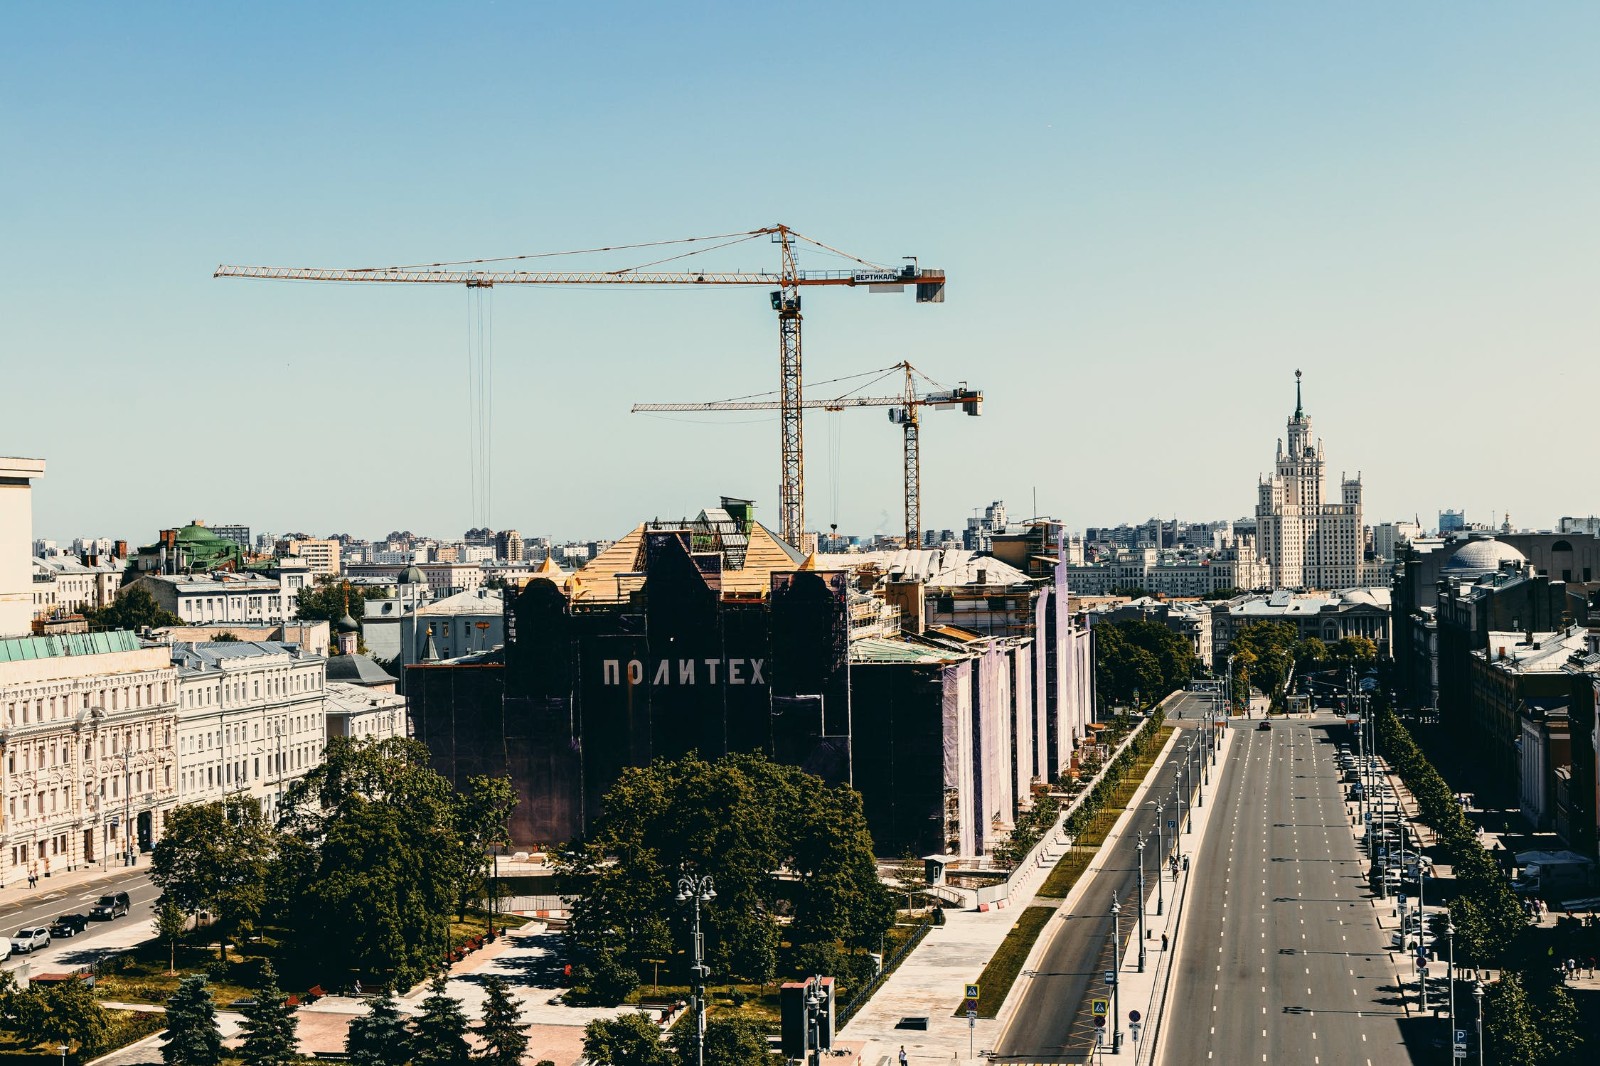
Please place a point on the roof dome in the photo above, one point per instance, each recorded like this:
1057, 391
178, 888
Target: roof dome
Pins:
1482, 555
346, 624
195, 533
411, 575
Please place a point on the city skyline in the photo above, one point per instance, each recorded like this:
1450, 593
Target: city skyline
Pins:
1149, 219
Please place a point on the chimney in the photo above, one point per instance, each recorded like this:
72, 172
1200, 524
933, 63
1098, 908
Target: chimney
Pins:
120, 549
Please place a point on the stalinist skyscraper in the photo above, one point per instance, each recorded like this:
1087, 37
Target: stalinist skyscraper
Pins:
1308, 544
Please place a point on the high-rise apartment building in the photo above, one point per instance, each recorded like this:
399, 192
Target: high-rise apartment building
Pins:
1307, 542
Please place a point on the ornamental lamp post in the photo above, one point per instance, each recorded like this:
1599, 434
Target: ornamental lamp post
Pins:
1141, 904
1116, 982
1161, 853
1477, 993
1450, 931
699, 889
814, 1004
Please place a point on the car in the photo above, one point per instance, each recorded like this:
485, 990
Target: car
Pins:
30, 939
108, 907
1264, 725
68, 925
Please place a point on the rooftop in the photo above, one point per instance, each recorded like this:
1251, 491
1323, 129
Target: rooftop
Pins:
16, 649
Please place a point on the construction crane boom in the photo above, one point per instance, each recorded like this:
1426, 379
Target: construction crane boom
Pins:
786, 282
904, 409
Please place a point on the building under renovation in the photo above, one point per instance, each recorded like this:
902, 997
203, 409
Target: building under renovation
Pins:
713, 635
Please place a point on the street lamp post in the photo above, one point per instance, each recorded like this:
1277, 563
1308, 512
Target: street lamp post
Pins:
1116, 977
1141, 904
1177, 839
1161, 853
699, 889
63, 1049
1477, 994
814, 1003
1450, 931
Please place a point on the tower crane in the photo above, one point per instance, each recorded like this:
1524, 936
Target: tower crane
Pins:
786, 282
904, 410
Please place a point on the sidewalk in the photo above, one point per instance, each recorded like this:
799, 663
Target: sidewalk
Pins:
62, 883
931, 982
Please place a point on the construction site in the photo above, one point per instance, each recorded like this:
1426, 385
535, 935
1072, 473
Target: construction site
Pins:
715, 633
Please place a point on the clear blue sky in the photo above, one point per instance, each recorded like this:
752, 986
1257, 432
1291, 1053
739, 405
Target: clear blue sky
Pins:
1151, 215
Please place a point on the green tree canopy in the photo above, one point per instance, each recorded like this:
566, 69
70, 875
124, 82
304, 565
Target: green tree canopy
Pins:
215, 856
627, 1040
730, 1041
63, 1012
1264, 656
134, 608
372, 861
773, 838
192, 1037
327, 600
1353, 650
1135, 655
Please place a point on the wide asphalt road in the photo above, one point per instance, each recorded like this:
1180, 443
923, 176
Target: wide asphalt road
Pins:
46, 902
1280, 958
1053, 1021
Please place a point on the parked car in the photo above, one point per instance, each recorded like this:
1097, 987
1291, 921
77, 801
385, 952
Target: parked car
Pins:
31, 939
68, 925
1264, 724
108, 907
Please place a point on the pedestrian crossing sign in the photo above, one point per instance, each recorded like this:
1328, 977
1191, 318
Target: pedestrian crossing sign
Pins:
1100, 1007
972, 992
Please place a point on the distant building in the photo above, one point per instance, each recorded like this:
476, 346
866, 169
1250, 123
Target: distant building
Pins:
1307, 542
508, 546
240, 535
365, 714
1452, 522
249, 598
193, 549
323, 557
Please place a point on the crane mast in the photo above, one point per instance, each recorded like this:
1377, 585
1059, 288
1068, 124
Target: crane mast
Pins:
904, 410
789, 280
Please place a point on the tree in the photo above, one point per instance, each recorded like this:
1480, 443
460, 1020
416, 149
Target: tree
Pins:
1510, 1032
1136, 655
482, 815
63, 1012
215, 856
1353, 650
269, 1025
134, 608
1309, 652
372, 861
439, 1033
331, 599
741, 820
627, 1040
732, 1041
192, 1037
171, 921
505, 1035
1264, 657
379, 1037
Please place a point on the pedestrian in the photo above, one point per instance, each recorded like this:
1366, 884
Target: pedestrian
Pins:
358, 986
1163, 942
1591, 965
902, 1055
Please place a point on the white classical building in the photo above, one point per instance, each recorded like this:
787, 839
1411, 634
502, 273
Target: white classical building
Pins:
249, 598
251, 718
1308, 543
362, 713
85, 749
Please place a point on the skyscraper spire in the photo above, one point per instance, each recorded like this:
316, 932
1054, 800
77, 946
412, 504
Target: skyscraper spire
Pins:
1299, 408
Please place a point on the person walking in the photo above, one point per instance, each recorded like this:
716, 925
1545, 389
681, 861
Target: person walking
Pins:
903, 1059
1163, 942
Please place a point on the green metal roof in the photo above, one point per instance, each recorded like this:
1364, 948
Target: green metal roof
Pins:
16, 649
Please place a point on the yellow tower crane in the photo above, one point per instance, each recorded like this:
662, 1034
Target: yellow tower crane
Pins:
786, 281
903, 410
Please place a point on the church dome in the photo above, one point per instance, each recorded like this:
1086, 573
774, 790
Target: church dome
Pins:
346, 624
411, 575
1482, 556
